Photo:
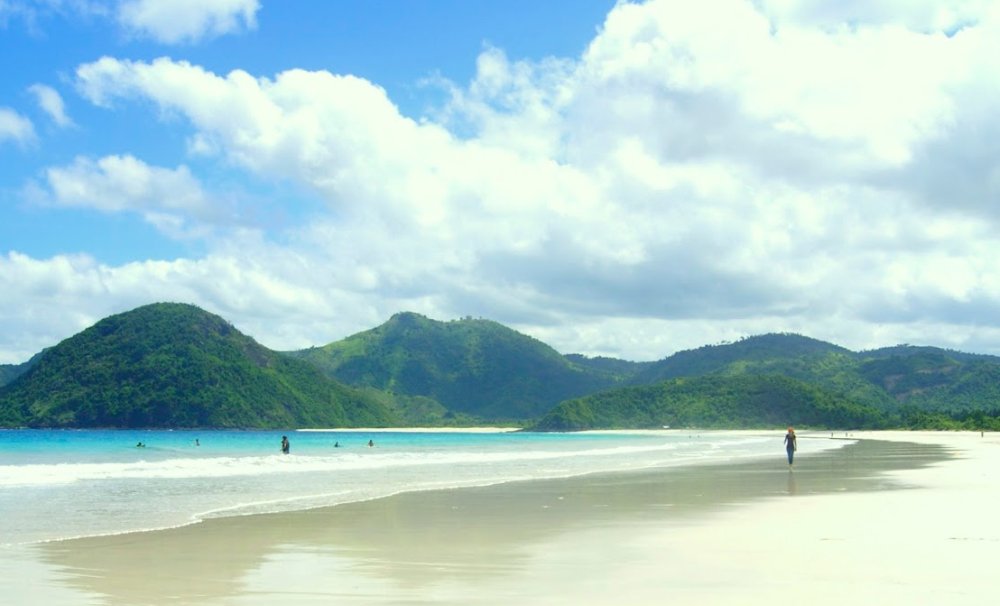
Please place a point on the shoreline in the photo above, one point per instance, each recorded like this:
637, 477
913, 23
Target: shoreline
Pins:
288, 504
713, 532
477, 429
109, 506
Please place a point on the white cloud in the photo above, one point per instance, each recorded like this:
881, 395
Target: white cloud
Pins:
33, 13
181, 21
115, 183
15, 127
702, 172
171, 199
52, 103
48, 300
920, 15
865, 95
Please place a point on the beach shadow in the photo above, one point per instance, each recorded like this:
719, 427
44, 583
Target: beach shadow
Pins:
415, 540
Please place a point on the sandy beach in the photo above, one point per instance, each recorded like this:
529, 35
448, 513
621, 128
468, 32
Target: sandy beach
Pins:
897, 518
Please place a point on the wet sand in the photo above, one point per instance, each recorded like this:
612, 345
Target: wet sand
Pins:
907, 518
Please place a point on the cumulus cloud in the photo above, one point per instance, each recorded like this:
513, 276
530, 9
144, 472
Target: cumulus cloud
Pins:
701, 172
171, 199
185, 21
863, 96
15, 127
52, 103
247, 282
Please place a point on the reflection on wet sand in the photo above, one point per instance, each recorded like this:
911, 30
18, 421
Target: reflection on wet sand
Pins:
416, 540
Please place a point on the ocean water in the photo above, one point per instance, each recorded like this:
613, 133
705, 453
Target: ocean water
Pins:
57, 484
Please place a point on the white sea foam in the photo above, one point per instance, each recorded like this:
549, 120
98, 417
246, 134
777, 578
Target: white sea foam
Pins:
222, 467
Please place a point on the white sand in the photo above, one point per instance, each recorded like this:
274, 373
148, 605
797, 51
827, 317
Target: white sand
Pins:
935, 543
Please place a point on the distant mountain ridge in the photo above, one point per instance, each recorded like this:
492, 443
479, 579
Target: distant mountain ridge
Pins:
710, 359
927, 378
9, 372
820, 384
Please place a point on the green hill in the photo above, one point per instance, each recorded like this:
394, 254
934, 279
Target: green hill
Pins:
174, 365
472, 367
747, 354
907, 351
892, 379
932, 379
748, 401
615, 370
756, 381
9, 372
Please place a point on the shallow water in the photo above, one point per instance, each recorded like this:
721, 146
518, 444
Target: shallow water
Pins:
57, 484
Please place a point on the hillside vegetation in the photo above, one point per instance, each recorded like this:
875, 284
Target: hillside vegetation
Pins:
742, 355
174, 365
9, 372
758, 381
471, 367
712, 401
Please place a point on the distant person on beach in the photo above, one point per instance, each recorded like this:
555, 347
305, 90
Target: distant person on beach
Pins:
370, 443
791, 445
336, 444
285, 446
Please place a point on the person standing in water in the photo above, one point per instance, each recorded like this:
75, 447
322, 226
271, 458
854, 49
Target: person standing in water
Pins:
791, 445
284, 444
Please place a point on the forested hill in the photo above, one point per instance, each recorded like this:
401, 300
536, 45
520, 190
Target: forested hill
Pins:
175, 365
892, 379
615, 369
712, 401
909, 351
746, 353
471, 366
9, 372
759, 379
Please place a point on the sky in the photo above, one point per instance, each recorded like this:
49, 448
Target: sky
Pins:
625, 179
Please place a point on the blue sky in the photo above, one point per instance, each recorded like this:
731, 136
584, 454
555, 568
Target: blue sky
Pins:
399, 45
624, 179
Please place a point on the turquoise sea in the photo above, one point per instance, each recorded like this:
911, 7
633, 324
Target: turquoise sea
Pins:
57, 484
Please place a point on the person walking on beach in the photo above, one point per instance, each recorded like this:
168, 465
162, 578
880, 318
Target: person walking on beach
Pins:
285, 446
791, 445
